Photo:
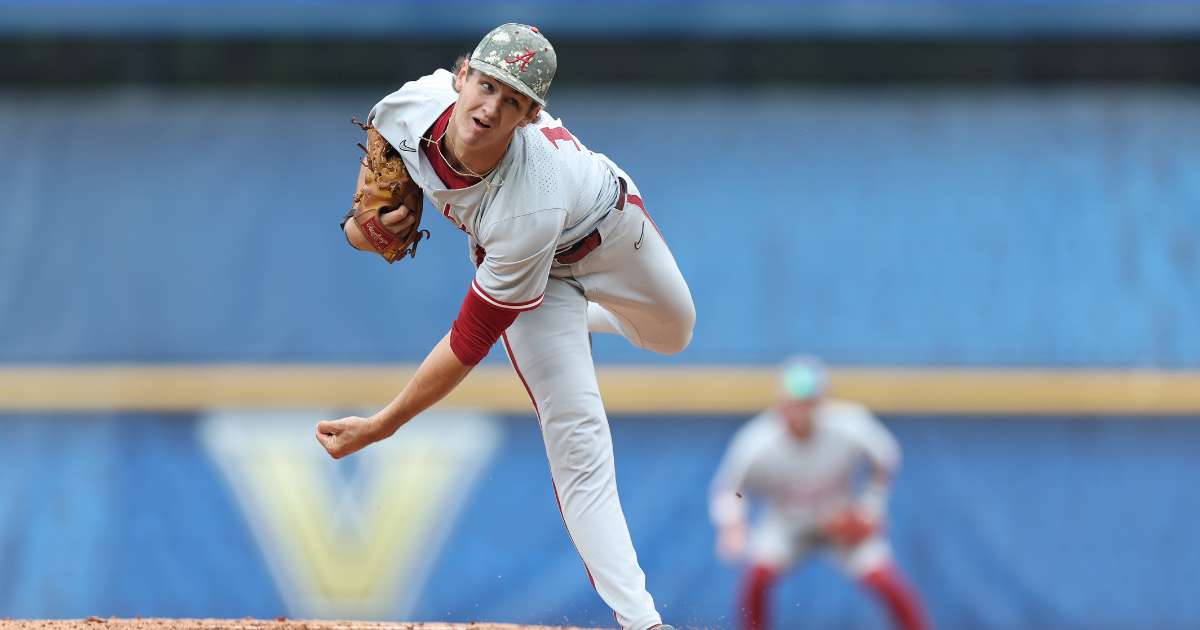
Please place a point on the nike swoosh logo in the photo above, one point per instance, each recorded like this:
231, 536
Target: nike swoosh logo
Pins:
404, 146
638, 244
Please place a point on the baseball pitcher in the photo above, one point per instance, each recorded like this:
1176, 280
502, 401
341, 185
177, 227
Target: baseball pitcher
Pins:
562, 247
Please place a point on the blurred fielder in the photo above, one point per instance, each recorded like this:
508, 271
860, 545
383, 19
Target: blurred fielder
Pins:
801, 458
562, 247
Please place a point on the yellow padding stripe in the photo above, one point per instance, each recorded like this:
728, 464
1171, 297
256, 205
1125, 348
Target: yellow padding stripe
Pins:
626, 390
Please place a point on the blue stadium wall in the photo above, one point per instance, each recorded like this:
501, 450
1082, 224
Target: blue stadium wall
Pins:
425, 19
900, 227
1048, 228
1056, 523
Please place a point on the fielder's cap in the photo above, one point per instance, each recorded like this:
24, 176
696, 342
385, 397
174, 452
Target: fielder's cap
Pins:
520, 56
803, 378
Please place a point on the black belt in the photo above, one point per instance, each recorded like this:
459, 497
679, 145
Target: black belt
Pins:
584, 246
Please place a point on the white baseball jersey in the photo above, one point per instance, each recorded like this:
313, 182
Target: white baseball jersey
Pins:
554, 193
800, 480
548, 192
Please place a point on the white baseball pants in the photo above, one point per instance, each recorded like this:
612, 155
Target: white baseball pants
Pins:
631, 286
779, 543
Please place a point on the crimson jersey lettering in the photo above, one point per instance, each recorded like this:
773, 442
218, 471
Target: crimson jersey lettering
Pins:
446, 212
559, 133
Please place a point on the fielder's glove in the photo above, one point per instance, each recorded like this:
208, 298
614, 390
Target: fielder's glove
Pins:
849, 526
386, 186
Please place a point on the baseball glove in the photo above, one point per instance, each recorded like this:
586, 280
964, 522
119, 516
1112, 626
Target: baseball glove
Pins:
386, 186
849, 527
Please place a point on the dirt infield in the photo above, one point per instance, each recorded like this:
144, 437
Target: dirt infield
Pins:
96, 623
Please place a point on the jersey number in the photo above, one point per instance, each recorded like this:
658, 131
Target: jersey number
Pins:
553, 134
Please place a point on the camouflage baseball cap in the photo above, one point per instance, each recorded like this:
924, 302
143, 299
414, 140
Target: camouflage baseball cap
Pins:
520, 56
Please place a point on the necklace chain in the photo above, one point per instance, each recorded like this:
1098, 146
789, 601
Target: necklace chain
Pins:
450, 141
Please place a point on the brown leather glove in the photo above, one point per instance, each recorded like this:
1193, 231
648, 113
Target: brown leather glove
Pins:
849, 526
386, 186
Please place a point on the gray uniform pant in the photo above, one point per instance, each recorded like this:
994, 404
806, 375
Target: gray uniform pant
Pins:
631, 286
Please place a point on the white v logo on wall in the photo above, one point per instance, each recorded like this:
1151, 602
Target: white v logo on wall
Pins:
355, 538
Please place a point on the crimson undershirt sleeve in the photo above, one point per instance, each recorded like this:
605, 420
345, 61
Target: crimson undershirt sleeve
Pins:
477, 328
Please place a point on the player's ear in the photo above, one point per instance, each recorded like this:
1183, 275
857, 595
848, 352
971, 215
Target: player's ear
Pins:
530, 116
461, 78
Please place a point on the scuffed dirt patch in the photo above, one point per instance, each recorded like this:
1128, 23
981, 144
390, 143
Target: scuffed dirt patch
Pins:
96, 623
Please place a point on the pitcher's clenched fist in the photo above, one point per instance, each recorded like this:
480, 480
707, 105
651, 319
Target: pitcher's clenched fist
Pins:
348, 435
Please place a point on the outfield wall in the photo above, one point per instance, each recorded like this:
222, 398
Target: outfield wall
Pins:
1006, 524
1051, 228
424, 20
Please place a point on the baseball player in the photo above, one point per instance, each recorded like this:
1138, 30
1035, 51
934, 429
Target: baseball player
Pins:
563, 247
802, 458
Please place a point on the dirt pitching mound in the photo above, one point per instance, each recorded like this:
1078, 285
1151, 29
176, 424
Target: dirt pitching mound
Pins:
96, 623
